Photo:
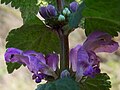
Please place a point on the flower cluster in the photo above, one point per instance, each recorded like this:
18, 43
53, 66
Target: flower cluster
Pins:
83, 58
50, 11
50, 14
37, 63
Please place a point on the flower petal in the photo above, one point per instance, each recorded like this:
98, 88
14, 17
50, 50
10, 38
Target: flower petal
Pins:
100, 42
82, 63
111, 47
11, 53
73, 57
87, 64
89, 71
52, 61
37, 66
40, 56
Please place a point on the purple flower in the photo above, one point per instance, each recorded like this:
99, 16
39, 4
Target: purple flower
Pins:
43, 12
51, 10
100, 42
38, 77
74, 6
73, 57
35, 62
83, 59
15, 55
11, 54
47, 12
52, 61
85, 63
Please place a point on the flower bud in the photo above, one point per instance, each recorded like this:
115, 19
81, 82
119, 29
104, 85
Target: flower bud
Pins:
66, 11
51, 10
64, 74
74, 6
61, 18
43, 12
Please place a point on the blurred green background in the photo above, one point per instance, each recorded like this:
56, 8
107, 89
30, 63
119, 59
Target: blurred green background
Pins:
10, 18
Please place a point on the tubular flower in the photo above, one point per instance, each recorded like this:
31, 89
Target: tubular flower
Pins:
83, 59
48, 12
100, 42
39, 65
74, 6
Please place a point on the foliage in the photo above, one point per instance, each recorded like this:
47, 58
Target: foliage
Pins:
28, 8
32, 36
76, 17
64, 84
100, 82
102, 15
12, 66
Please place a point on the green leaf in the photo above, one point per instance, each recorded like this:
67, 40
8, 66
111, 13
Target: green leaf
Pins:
12, 66
60, 84
76, 17
34, 36
28, 8
99, 82
102, 15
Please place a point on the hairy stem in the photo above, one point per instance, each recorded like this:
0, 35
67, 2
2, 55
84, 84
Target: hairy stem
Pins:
64, 56
59, 4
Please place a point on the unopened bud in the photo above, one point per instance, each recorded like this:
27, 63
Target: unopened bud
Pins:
66, 11
64, 74
74, 6
43, 12
61, 17
51, 10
